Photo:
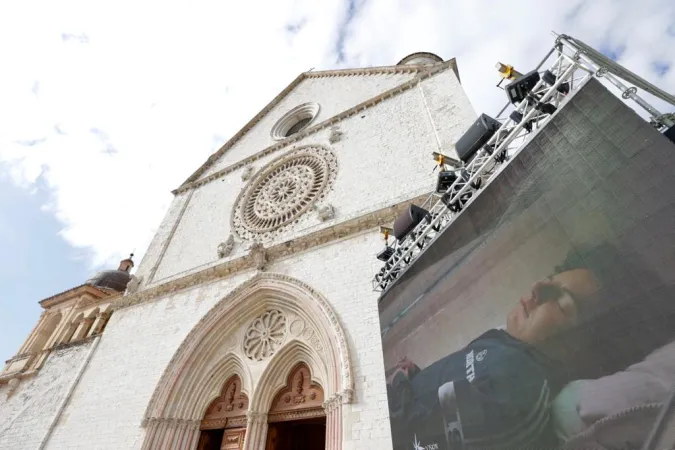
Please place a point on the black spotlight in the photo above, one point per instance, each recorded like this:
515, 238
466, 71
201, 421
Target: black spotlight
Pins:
670, 134
456, 206
517, 117
500, 158
546, 108
445, 180
550, 79
385, 254
408, 220
476, 137
518, 89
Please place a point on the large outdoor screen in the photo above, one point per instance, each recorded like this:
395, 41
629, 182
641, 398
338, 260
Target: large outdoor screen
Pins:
544, 316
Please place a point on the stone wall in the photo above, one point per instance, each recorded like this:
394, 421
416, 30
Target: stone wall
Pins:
333, 94
26, 414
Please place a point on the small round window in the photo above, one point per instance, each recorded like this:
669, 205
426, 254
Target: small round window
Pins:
295, 120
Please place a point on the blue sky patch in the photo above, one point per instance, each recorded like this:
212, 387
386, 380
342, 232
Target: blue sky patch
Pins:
613, 52
661, 67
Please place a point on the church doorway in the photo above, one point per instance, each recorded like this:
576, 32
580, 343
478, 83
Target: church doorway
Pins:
308, 434
210, 439
297, 419
223, 426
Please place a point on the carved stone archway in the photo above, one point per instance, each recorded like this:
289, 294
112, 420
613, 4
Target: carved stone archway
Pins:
214, 351
301, 399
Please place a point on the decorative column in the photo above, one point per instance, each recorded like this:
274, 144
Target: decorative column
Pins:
256, 431
171, 434
333, 409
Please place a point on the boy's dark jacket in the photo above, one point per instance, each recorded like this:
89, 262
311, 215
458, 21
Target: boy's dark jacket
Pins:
503, 387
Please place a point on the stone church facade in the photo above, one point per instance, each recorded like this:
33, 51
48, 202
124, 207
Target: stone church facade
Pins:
251, 317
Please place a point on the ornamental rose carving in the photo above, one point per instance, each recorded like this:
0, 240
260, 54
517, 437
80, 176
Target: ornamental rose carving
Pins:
265, 335
280, 193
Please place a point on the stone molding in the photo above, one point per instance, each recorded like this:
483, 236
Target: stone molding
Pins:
423, 72
296, 415
276, 252
171, 423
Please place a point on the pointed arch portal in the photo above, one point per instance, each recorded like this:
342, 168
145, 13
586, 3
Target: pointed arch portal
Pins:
307, 347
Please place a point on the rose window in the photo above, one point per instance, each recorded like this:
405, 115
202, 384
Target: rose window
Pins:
265, 335
283, 191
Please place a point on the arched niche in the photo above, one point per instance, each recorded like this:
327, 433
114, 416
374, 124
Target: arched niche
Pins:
229, 409
300, 398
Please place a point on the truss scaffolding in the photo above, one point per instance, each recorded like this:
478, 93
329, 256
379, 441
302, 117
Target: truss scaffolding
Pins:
572, 62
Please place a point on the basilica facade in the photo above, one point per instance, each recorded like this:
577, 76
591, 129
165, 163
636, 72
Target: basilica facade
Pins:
251, 319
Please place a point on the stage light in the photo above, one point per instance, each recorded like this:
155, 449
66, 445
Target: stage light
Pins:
507, 71
385, 254
476, 137
408, 220
518, 89
445, 180
550, 79
546, 108
457, 205
517, 117
500, 158
388, 251
445, 160
670, 134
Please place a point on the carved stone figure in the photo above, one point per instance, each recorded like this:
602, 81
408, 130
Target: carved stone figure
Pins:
259, 255
134, 284
246, 174
335, 135
326, 212
225, 248
12, 385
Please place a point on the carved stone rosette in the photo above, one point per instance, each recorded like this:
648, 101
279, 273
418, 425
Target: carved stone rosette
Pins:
283, 191
265, 335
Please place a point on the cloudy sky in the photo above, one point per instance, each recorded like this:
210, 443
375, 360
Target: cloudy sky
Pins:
107, 106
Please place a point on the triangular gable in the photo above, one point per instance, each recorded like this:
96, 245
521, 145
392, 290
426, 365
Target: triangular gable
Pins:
415, 70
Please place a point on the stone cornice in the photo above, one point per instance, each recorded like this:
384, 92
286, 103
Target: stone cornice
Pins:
77, 291
276, 252
376, 70
423, 72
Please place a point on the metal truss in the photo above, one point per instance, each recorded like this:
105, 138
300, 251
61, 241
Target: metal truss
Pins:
572, 62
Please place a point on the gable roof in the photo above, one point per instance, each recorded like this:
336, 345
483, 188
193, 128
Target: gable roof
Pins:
398, 69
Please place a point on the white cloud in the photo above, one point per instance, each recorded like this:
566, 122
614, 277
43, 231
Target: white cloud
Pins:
115, 104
